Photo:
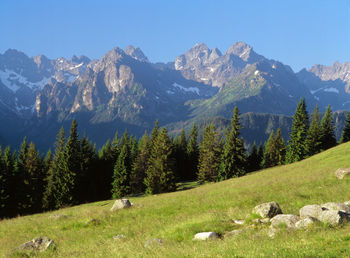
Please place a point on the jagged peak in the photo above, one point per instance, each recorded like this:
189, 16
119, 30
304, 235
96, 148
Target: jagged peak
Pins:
136, 53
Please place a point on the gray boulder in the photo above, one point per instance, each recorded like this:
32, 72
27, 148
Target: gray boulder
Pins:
333, 217
205, 236
37, 244
288, 220
121, 204
261, 221
305, 223
267, 210
336, 206
313, 210
342, 172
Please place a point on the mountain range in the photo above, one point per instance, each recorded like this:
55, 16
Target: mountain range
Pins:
124, 90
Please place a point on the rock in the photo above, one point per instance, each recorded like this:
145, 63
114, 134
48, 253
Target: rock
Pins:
313, 210
119, 237
238, 221
37, 244
121, 204
305, 223
336, 206
261, 221
267, 210
58, 216
93, 222
342, 172
288, 220
334, 218
153, 242
205, 236
272, 232
233, 233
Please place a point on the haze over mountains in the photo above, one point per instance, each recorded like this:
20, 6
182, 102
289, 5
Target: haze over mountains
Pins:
123, 90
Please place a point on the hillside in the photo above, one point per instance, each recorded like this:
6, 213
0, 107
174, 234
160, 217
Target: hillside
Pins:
176, 217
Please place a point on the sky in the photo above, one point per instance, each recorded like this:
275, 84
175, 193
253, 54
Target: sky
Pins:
299, 33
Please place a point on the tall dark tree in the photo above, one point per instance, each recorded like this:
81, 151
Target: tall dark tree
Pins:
104, 176
209, 155
254, 160
328, 139
180, 154
121, 177
4, 187
314, 134
233, 161
192, 155
297, 148
140, 166
345, 137
160, 173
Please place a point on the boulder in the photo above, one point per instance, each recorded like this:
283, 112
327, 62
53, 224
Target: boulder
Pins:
305, 223
347, 203
121, 204
238, 221
153, 242
288, 220
261, 221
267, 210
313, 210
336, 207
333, 217
272, 232
37, 244
205, 236
342, 172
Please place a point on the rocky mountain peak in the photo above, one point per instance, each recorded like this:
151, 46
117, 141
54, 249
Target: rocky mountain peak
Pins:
136, 53
81, 59
42, 62
243, 51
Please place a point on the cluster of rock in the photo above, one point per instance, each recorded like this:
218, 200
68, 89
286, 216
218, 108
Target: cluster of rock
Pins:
270, 213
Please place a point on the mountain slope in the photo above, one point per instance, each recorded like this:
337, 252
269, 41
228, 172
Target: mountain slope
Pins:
176, 217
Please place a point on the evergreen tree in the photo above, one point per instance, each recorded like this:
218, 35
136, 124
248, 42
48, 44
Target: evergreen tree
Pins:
104, 178
209, 155
253, 160
280, 146
345, 137
180, 155
160, 173
233, 159
314, 134
297, 148
140, 165
115, 148
328, 139
192, 155
4, 187
275, 150
154, 133
269, 151
121, 177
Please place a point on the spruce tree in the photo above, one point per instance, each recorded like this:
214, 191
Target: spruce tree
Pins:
121, 177
115, 147
269, 148
4, 187
314, 134
192, 155
233, 159
180, 155
280, 146
106, 164
328, 139
253, 160
140, 165
209, 155
297, 148
160, 173
345, 137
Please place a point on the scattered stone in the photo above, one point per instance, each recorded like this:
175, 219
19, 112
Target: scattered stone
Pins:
58, 216
306, 223
267, 210
342, 172
121, 204
119, 237
336, 206
205, 236
153, 242
37, 244
272, 232
288, 220
313, 210
261, 221
233, 233
238, 221
334, 218
93, 222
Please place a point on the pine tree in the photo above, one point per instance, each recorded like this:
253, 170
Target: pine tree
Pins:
345, 137
297, 148
269, 151
280, 146
154, 133
209, 155
4, 187
253, 160
140, 165
115, 148
192, 155
180, 155
328, 139
104, 178
314, 134
121, 177
233, 159
160, 173
275, 150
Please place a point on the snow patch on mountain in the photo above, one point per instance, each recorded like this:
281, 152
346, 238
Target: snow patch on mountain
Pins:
331, 90
189, 89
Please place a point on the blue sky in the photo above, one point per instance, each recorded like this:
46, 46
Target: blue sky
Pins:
298, 33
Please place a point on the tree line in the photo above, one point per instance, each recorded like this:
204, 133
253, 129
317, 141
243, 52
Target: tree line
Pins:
76, 172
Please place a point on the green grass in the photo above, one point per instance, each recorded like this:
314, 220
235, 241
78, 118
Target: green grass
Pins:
176, 217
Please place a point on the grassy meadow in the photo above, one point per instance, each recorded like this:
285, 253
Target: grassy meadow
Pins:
177, 217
